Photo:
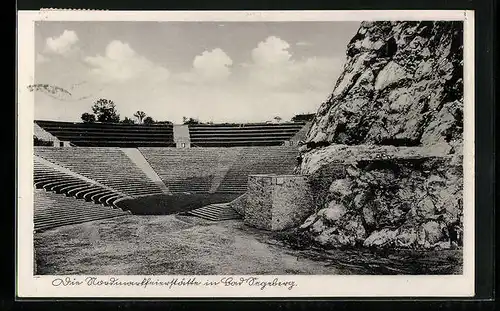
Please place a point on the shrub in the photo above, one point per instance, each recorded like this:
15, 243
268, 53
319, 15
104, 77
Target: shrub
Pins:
40, 142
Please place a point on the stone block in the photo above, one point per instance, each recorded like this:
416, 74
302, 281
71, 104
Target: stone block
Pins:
277, 202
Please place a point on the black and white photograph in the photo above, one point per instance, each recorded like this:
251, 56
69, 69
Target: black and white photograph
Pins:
265, 147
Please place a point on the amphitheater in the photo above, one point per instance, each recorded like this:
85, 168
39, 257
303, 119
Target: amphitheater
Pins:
133, 199
112, 170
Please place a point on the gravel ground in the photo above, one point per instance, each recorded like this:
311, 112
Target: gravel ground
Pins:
168, 245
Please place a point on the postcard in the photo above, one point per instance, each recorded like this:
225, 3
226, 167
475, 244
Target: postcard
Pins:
245, 154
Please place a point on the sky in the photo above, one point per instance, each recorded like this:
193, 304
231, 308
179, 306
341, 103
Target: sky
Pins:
213, 71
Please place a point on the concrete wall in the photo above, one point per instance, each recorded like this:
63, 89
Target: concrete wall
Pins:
277, 202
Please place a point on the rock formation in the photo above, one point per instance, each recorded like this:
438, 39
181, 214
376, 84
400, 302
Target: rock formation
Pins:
384, 152
401, 85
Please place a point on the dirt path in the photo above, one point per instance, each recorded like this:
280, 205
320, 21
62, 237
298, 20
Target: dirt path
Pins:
167, 245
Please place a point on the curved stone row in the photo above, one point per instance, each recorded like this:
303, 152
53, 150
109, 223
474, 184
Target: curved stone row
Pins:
52, 180
55, 210
107, 166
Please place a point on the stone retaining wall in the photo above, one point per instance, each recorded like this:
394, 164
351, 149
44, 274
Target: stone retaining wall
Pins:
277, 202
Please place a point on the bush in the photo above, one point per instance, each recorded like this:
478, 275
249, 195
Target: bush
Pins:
88, 117
148, 121
303, 117
128, 121
190, 121
40, 142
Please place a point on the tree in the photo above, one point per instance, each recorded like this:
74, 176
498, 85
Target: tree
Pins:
277, 119
148, 120
105, 110
88, 117
127, 120
140, 116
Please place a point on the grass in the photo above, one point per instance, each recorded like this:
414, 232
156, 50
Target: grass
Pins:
164, 204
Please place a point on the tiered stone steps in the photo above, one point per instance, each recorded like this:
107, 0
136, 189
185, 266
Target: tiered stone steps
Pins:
110, 135
228, 135
50, 179
215, 212
108, 166
53, 210
193, 170
258, 160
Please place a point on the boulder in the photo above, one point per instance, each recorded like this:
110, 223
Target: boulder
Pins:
325, 238
426, 207
335, 238
333, 212
431, 233
381, 238
318, 226
443, 245
354, 228
368, 213
406, 237
309, 221
340, 188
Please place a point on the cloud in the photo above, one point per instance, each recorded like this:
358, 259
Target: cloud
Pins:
121, 63
208, 67
63, 44
40, 58
271, 51
273, 67
212, 87
213, 65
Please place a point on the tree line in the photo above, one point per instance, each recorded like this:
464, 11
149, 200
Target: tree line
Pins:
104, 111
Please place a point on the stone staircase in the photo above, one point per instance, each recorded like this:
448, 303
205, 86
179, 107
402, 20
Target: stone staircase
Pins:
215, 212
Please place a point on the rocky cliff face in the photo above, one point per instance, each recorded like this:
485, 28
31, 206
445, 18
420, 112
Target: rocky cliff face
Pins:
384, 151
402, 84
